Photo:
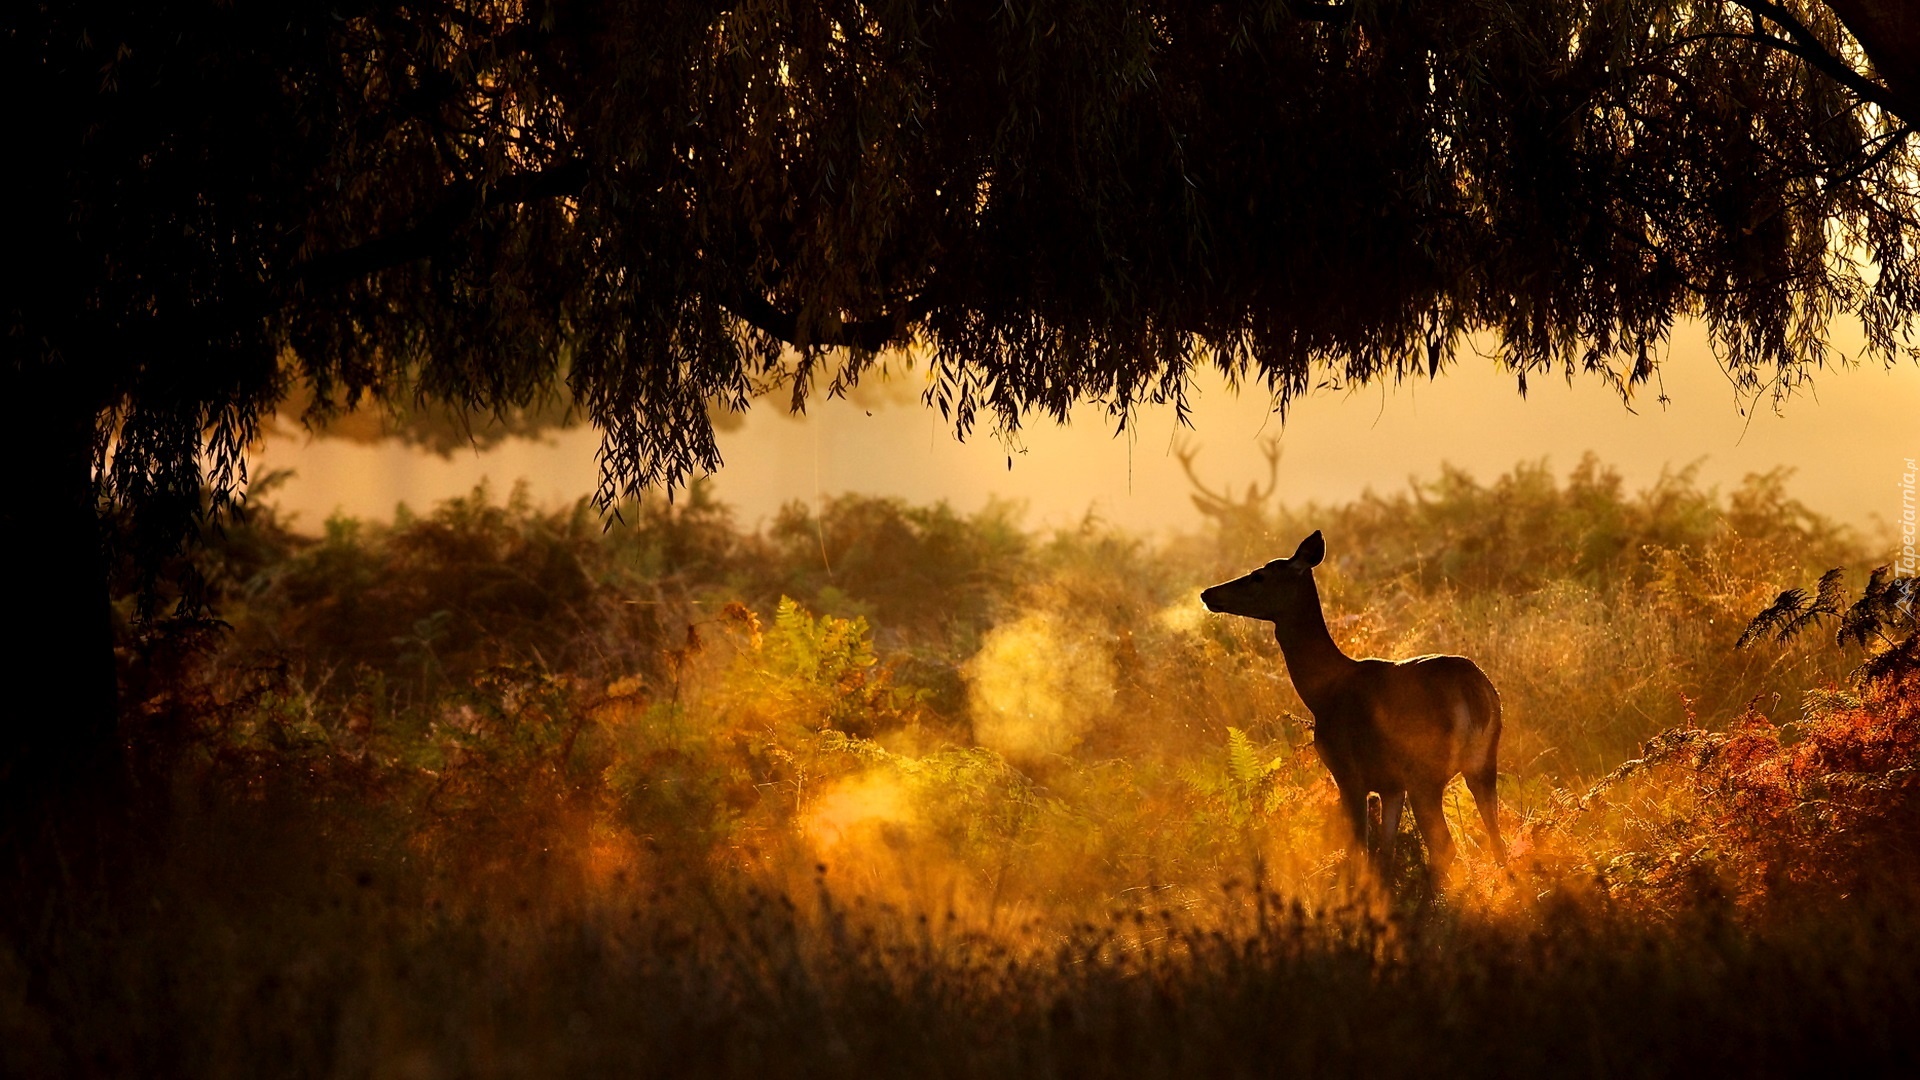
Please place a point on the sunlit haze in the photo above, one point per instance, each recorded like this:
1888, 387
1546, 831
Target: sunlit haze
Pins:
1844, 439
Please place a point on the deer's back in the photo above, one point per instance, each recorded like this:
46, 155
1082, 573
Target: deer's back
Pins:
1395, 724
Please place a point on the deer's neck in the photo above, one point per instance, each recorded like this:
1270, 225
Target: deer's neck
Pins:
1314, 662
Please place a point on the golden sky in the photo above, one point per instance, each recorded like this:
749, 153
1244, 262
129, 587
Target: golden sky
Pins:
1846, 439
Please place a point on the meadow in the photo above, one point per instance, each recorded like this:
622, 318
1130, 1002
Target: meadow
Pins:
883, 788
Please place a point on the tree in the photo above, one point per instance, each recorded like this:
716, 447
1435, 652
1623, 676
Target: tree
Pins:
664, 205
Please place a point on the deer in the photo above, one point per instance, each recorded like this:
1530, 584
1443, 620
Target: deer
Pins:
1400, 728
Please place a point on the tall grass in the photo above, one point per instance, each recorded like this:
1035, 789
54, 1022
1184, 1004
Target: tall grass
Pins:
881, 787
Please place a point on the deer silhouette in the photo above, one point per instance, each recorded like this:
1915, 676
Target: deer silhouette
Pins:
1402, 728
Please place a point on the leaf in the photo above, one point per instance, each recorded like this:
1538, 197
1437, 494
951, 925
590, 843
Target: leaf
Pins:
1793, 611
1244, 770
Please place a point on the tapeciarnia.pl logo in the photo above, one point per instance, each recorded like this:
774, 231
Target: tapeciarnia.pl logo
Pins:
1905, 568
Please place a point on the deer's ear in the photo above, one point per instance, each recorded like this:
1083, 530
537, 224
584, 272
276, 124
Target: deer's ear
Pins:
1311, 551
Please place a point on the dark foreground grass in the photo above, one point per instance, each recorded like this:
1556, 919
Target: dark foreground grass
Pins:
276, 935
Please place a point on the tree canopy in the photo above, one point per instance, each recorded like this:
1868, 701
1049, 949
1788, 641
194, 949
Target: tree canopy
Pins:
654, 207
1063, 200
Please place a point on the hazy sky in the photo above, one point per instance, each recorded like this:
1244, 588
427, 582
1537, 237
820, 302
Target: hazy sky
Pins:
1846, 440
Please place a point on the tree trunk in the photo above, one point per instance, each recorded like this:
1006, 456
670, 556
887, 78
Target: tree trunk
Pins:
57, 730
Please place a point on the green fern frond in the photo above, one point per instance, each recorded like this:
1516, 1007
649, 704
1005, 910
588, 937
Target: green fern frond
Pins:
1242, 766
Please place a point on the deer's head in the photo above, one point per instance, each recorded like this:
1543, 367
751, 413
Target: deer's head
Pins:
1276, 589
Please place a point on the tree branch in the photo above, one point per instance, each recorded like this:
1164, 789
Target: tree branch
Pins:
432, 232
867, 335
1806, 45
1889, 33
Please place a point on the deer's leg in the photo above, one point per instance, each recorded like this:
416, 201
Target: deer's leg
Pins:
1353, 802
1390, 803
1427, 813
1485, 785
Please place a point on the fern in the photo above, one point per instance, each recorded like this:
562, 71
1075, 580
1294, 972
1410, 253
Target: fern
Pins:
821, 672
1793, 611
1243, 771
1883, 615
1245, 785
1887, 605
